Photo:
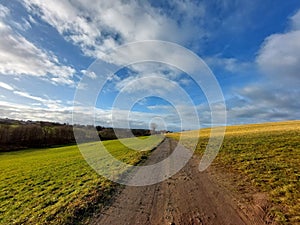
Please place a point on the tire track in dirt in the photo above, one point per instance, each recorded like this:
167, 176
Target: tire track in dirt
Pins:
189, 197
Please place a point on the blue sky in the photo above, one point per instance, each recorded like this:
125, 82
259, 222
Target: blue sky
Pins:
253, 49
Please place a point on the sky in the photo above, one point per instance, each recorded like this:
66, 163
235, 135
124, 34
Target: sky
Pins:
48, 47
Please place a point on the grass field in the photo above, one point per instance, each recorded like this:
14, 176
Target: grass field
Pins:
265, 156
56, 185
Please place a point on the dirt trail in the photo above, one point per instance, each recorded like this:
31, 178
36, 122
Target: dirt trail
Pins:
189, 197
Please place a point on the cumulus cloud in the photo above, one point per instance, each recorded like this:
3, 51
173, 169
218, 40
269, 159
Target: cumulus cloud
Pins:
274, 96
18, 56
97, 26
279, 56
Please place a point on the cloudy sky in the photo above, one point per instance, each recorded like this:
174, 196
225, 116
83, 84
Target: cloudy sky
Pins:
252, 48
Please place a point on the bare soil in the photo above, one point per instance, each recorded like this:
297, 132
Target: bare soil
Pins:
189, 197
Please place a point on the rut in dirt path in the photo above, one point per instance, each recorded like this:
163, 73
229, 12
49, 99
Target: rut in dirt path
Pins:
189, 197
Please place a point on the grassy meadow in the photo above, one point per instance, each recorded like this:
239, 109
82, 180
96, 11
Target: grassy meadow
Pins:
263, 156
56, 185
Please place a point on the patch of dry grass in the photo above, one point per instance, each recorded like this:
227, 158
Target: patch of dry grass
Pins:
266, 156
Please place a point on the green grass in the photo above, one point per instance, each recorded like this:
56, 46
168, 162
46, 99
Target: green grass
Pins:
264, 156
56, 185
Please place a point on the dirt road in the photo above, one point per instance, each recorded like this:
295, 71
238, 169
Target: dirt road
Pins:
189, 197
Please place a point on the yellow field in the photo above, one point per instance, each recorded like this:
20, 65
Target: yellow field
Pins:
263, 156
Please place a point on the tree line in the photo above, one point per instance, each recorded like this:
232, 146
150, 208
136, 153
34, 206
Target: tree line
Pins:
14, 137
16, 134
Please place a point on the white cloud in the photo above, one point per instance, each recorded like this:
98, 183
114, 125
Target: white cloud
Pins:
27, 95
261, 103
36, 112
32, 20
275, 96
97, 26
150, 83
89, 74
46, 102
118, 118
4, 11
18, 56
279, 56
230, 64
295, 21
6, 86
149, 76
